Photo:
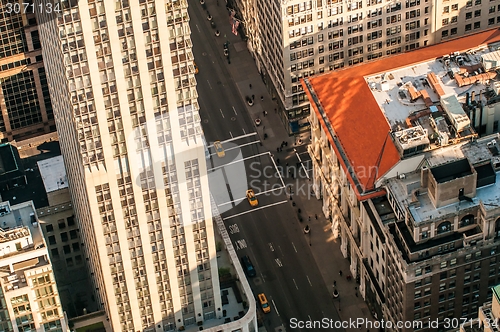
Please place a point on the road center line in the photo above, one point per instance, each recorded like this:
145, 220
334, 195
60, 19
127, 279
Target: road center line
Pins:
210, 85
274, 304
294, 247
221, 113
295, 284
309, 280
259, 208
234, 109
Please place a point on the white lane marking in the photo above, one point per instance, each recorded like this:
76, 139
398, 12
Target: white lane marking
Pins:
271, 246
236, 147
294, 247
295, 284
240, 199
234, 139
244, 132
276, 167
263, 207
303, 167
239, 161
309, 280
221, 113
278, 261
230, 133
234, 109
281, 251
274, 304
268, 191
233, 229
210, 85
197, 27
240, 244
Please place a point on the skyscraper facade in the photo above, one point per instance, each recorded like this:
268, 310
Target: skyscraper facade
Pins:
121, 78
25, 108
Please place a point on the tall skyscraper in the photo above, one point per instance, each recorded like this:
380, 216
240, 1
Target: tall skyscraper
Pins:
121, 78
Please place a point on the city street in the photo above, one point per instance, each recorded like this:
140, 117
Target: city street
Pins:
270, 233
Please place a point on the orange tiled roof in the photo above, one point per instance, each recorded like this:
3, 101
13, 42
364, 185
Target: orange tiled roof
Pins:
356, 118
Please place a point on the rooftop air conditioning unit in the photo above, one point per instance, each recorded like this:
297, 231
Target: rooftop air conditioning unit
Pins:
402, 176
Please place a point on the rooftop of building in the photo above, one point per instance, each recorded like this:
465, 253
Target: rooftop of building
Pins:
9, 162
33, 189
478, 152
21, 244
53, 173
376, 112
20, 217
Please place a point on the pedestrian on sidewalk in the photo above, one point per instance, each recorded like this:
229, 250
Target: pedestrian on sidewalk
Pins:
278, 161
334, 283
253, 97
261, 98
264, 113
340, 272
250, 85
316, 216
275, 110
278, 149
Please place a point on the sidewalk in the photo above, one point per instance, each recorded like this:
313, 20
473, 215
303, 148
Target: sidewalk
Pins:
325, 249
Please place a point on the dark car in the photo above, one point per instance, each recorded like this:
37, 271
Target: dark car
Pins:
248, 266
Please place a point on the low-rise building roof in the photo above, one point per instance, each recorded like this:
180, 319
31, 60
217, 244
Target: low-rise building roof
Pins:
352, 118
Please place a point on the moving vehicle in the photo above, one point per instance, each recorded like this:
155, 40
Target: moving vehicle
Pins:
219, 149
263, 303
251, 198
248, 267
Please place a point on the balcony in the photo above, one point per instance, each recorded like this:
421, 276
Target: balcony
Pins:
472, 236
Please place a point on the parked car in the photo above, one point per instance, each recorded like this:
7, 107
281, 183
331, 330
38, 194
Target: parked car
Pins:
248, 267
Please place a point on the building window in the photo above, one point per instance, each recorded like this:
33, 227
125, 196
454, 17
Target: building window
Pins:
444, 34
468, 27
477, 25
444, 227
453, 31
49, 228
468, 15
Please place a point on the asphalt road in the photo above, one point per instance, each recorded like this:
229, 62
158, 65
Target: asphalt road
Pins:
270, 233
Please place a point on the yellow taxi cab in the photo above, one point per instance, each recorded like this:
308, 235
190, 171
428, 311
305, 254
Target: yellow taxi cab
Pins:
263, 303
251, 198
219, 149
196, 70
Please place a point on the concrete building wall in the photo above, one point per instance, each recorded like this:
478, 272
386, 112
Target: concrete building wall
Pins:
141, 195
